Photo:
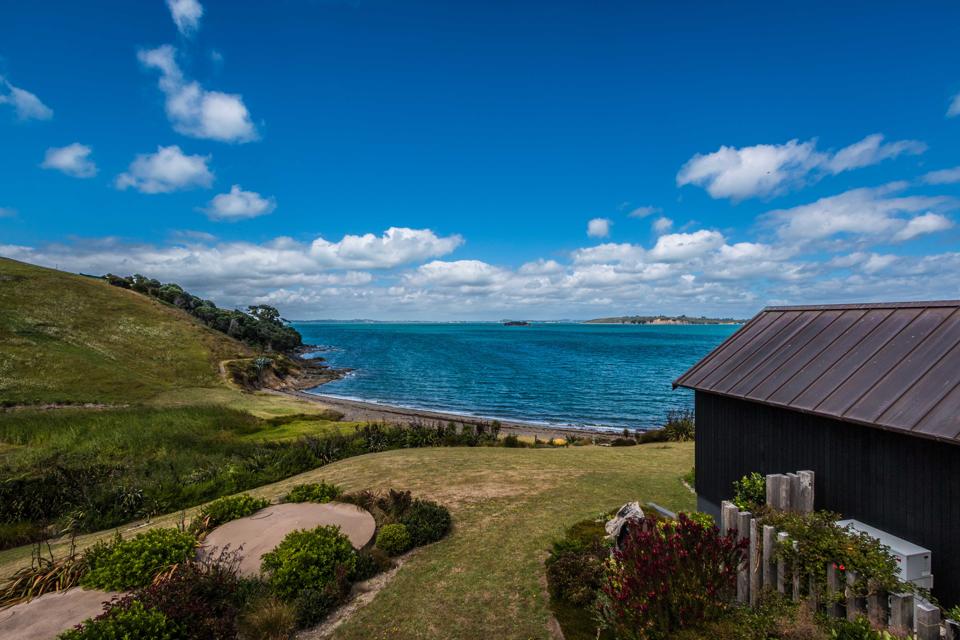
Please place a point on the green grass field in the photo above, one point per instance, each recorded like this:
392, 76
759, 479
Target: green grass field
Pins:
69, 338
486, 580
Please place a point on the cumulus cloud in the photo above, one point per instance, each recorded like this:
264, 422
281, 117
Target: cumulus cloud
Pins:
643, 212
186, 15
943, 176
878, 212
920, 225
193, 110
73, 160
458, 273
169, 169
770, 169
239, 205
397, 245
954, 108
661, 225
683, 246
26, 105
598, 228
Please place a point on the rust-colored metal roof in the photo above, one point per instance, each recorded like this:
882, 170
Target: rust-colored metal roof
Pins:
890, 365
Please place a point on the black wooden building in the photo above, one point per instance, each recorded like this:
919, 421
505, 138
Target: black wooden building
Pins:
865, 395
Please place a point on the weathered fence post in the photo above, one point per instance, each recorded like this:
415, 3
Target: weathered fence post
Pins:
901, 613
806, 496
833, 591
743, 574
928, 622
728, 517
793, 489
782, 539
854, 603
775, 491
795, 575
952, 627
876, 605
769, 556
754, 563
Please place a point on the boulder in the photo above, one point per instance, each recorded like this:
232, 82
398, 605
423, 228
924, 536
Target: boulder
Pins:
615, 526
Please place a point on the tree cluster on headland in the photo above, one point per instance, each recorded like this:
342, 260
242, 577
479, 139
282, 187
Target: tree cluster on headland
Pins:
259, 326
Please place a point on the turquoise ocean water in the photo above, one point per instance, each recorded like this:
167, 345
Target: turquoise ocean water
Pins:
564, 374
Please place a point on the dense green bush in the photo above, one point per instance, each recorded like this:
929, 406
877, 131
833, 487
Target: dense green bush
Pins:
750, 492
126, 564
680, 426
426, 522
371, 562
314, 492
308, 559
393, 539
226, 509
134, 622
623, 442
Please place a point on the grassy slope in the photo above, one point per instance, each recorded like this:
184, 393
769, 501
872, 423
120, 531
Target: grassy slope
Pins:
69, 338
486, 579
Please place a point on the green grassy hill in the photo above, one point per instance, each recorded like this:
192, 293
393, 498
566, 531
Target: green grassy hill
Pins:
69, 338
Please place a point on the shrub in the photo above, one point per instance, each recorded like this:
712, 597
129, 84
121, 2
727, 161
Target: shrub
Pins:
750, 492
132, 621
576, 576
308, 559
701, 518
953, 613
226, 509
680, 426
268, 619
312, 606
393, 539
371, 562
314, 492
623, 442
512, 441
667, 577
203, 598
426, 521
652, 435
127, 564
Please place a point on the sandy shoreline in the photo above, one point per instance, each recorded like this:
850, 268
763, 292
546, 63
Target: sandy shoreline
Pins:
355, 410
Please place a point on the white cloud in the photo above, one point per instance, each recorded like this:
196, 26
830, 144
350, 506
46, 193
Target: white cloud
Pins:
943, 176
239, 204
954, 109
458, 273
609, 252
598, 228
26, 105
73, 160
661, 225
877, 262
169, 169
683, 246
920, 225
186, 15
397, 245
643, 212
862, 212
193, 110
541, 267
770, 169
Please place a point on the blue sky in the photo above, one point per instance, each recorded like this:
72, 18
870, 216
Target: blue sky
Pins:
487, 160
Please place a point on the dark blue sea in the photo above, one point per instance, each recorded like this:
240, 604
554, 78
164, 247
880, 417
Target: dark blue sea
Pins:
563, 374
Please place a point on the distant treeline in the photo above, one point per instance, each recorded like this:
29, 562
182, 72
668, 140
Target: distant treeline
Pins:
260, 326
663, 320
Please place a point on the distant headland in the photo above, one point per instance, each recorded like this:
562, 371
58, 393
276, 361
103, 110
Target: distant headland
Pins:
663, 320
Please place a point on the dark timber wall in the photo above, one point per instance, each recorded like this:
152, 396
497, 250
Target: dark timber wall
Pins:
905, 485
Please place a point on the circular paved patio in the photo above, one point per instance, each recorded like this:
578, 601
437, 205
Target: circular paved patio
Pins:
260, 533
49, 615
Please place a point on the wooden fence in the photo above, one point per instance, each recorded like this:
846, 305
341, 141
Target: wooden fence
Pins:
762, 568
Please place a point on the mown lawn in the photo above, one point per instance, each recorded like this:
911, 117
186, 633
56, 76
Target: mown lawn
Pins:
486, 579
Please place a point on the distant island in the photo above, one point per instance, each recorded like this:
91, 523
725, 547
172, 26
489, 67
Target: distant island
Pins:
663, 320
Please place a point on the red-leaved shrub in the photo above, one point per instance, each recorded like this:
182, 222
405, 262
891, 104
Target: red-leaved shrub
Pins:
668, 576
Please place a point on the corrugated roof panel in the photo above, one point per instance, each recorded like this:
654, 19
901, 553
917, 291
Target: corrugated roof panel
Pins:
825, 359
925, 394
757, 343
795, 363
899, 378
883, 361
777, 343
728, 347
818, 324
892, 365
